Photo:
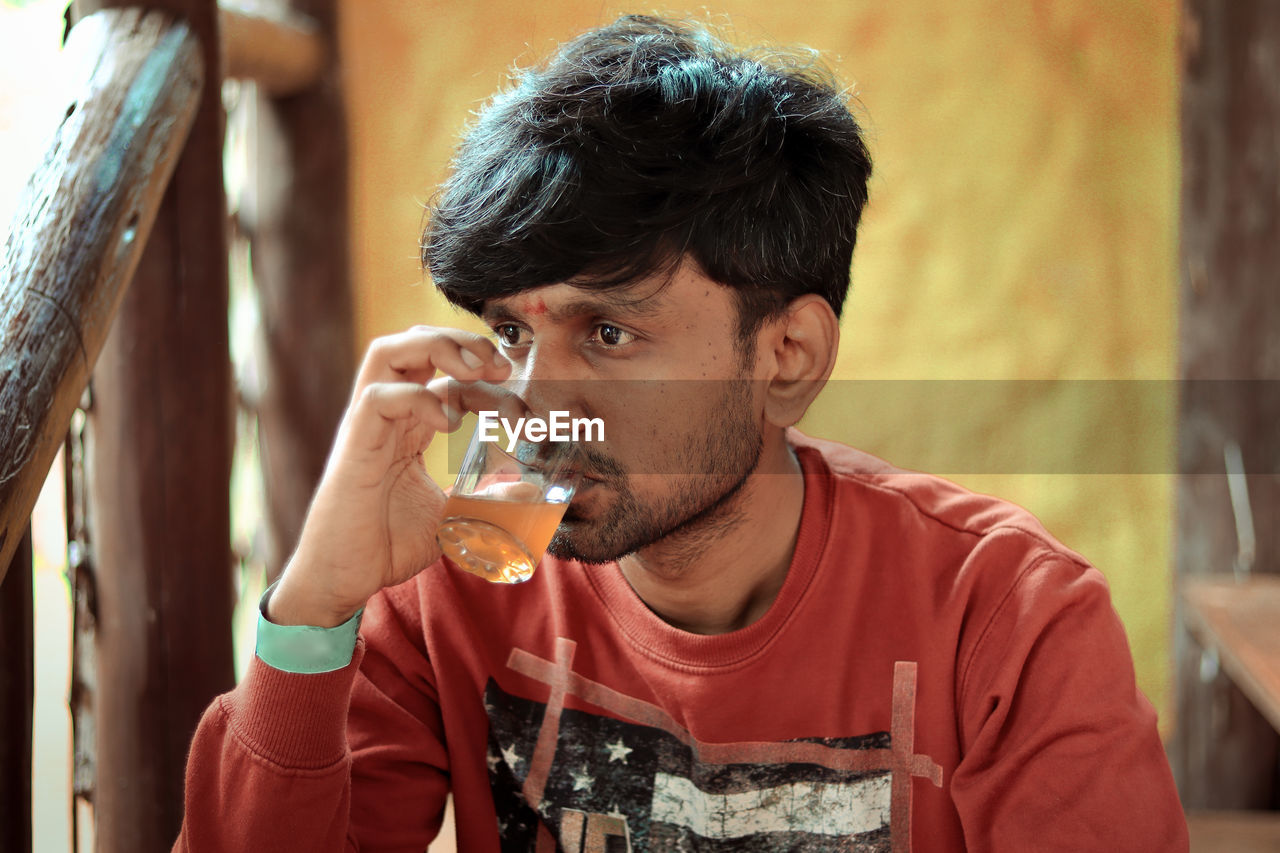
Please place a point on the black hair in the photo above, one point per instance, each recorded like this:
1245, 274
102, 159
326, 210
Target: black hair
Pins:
644, 143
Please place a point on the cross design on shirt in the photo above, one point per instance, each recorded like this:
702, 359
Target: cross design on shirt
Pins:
898, 758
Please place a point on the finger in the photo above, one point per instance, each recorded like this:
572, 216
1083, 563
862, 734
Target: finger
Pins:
462, 397
509, 488
415, 355
385, 406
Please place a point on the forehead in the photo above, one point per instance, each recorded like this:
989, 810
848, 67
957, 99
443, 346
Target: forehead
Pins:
659, 298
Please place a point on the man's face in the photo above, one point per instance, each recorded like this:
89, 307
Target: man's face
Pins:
661, 364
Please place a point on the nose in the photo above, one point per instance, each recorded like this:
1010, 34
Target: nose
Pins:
548, 379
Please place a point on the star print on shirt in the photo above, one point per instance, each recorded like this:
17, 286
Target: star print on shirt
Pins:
637, 775
582, 780
618, 751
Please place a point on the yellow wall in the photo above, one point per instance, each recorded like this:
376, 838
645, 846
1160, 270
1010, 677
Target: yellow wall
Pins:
1022, 224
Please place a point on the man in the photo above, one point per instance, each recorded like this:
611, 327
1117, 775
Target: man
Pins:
747, 638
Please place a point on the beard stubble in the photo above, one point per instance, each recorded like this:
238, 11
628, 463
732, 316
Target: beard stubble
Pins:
702, 507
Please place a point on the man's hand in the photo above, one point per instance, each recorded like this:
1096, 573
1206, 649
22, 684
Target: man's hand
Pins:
373, 519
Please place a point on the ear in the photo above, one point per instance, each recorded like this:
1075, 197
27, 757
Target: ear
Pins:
803, 345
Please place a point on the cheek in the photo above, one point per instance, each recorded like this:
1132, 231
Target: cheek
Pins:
667, 427
715, 356
648, 421
635, 435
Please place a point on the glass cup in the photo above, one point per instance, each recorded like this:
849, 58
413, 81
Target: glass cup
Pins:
505, 507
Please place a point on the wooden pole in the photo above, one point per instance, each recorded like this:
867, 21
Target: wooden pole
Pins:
17, 693
159, 457
1224, 753
298, 227
84, 669
284, 57
79, 233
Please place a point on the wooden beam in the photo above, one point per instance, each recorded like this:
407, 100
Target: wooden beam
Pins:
79, 232
1223, 751
17, 693
284, 57
158, 468
1239, 621
297, 221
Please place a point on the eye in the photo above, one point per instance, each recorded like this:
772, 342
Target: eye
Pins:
612, 336
510, 335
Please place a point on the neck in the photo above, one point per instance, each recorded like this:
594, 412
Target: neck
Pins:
725, 575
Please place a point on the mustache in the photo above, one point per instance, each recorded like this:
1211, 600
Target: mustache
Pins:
596, 465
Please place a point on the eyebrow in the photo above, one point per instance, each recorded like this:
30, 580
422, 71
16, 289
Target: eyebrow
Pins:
498, 312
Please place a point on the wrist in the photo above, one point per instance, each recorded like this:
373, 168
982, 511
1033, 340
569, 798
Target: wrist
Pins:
289, 605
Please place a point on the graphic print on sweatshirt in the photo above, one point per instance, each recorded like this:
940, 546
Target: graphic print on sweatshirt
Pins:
571, 780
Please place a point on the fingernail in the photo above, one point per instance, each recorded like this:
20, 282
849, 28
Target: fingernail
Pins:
471, 359
452, 414
498, 358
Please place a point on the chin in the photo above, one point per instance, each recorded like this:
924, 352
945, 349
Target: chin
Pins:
567, 544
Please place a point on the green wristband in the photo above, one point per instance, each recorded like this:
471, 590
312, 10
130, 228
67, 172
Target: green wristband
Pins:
304, 649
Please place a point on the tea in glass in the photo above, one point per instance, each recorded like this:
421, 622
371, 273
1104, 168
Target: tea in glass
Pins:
504, 508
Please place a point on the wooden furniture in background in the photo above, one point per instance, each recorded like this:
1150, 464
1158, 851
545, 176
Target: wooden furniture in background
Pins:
117, 264
76, 241
1239, 621
158, 466
284, 57
1224, 752
79, 233
297, 224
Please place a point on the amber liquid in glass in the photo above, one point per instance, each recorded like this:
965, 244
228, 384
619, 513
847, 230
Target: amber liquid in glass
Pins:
500, 541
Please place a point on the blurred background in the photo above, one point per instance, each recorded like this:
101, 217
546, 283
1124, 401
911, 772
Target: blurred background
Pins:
1023, 225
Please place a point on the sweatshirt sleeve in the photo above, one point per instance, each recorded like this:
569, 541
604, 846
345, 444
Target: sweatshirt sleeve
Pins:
1060, 748
352, 759
269, 767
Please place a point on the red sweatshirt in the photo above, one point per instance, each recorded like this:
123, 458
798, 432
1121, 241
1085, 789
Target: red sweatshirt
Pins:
937, 673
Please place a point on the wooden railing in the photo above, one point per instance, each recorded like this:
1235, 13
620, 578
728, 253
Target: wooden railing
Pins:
80, 231
115, 266
88, 209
